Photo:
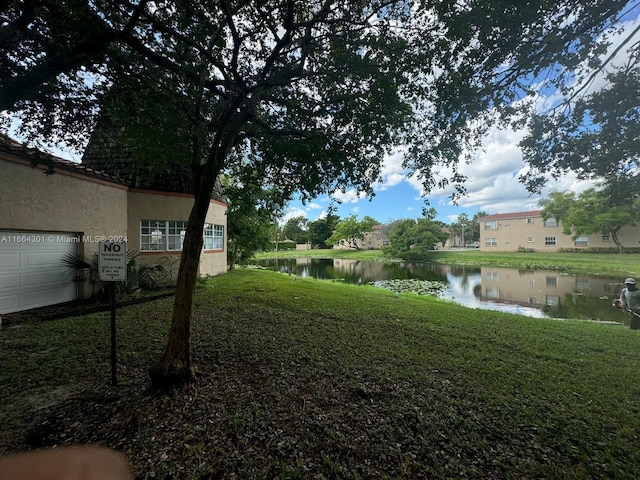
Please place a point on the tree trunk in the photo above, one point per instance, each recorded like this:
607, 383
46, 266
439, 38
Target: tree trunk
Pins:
616, 240
234, 256
175, 367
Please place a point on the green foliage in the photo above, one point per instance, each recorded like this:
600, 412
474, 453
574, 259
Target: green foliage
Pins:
415, 237
312, 97
590, 212
252, 211
320, 230
145, 274
349, 230
296, 229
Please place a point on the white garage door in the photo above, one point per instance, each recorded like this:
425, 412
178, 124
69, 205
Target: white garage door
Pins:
31, 270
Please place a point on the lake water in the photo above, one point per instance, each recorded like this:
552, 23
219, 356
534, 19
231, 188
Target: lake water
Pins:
535, 293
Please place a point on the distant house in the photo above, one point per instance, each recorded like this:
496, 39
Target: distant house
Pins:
374, 240
509, 232
50, 207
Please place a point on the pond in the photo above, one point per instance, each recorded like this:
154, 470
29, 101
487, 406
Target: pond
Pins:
535, 293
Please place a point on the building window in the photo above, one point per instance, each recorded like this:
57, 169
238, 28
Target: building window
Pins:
582, 241
552, 281
550, 241
491, 242
551, 222
552, 300
529, 221
530, 240
213, 237
153, 235
606, 238
168, 236
491, 225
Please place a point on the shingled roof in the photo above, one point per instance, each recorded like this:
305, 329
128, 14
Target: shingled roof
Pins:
51, 163
506, 216
108, 152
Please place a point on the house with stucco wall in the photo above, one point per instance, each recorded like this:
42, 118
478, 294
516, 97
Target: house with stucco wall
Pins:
376, 239
51, 207
510, 232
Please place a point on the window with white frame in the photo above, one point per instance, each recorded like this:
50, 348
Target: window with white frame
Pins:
529, 221
581, 241
552, 300
213, 237
550, 241
529, 239
491, 242
168, 236
551, 222
491, 225
606, 237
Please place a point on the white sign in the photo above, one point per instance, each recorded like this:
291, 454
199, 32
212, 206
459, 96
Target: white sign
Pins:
112, 261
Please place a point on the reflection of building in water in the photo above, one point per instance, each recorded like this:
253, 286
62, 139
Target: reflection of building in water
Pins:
540, 288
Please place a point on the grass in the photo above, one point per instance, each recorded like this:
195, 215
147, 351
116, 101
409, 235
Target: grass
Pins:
312, 379
592, 263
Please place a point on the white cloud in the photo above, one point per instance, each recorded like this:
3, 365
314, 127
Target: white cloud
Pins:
291, 213
349, 196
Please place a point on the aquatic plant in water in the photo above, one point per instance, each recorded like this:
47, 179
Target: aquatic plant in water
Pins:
412, 285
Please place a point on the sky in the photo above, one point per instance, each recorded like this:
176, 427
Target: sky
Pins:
492, 185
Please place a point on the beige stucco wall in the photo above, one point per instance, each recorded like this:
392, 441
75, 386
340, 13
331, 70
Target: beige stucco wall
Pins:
61, 202
375, 240
151, 205
513, 233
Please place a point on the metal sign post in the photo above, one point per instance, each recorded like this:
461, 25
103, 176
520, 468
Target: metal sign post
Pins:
112, 267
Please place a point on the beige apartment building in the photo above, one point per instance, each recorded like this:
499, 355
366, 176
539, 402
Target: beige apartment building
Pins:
374, 240
509, 232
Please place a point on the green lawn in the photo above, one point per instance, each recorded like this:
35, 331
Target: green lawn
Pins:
312, 379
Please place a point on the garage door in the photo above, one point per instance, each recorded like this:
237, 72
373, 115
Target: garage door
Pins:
31, 270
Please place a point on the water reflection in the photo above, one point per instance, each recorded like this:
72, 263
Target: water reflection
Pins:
535, 293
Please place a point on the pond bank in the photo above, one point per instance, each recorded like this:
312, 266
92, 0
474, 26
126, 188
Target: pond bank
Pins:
592, 263
308, 379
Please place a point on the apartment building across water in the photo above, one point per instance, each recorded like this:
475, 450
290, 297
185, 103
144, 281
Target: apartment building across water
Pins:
510, 232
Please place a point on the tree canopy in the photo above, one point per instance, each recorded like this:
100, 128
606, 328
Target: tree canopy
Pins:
349, 230
593, 130
415, 237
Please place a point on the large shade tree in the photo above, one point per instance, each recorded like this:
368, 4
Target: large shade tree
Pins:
307, 94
